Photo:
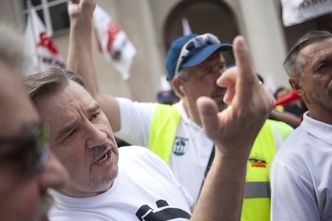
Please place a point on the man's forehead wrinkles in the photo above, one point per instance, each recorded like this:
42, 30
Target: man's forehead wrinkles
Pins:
316, 55
317, 47
304, 58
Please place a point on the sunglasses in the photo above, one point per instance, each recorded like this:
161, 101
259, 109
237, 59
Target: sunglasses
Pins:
28, 150
194, 44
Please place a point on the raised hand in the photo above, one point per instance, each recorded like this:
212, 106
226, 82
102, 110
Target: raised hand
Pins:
236, 128
81, 8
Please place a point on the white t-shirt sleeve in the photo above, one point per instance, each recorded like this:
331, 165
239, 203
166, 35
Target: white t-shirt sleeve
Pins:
135, 121
293, 195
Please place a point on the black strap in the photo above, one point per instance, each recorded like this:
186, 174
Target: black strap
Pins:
208, 167
209, 163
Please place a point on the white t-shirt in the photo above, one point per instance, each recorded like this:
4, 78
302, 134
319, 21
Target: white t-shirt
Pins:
188, 164
301, 174
144, 187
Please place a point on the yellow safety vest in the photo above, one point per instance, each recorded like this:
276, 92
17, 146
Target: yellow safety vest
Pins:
283, 129
163, 127
256, 205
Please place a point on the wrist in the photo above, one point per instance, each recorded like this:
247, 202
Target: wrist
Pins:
235, 155
80, 22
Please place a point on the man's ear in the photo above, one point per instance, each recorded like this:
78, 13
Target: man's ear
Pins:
177, 85
296, 85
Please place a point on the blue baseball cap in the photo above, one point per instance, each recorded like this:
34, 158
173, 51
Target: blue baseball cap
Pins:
194, 53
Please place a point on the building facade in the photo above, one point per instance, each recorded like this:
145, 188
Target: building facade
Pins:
151, 25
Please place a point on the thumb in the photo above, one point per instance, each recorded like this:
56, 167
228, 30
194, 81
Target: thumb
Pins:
208, 113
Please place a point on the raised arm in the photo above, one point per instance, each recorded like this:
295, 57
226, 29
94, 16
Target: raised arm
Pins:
233, 131
79, 59
289, 118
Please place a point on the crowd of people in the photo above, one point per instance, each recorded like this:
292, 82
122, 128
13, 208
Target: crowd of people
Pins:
215, 154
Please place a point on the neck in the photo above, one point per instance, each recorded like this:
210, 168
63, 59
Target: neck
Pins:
78, 193
192, 112
320, 114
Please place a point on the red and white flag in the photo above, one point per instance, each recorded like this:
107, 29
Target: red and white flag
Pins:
113, 42
39, 47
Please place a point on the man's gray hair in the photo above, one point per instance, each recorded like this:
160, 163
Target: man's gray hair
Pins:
47, 82
183, 74
292, 64
11, 48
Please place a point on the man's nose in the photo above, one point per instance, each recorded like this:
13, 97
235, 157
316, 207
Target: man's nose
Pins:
53, 175
95, 136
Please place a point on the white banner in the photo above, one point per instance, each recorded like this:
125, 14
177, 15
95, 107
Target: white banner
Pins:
39, 47
297, 11
113, 42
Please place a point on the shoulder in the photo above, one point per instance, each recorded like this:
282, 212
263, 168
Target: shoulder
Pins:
137, 156
132, 152
125, 102
294, 151
134, 110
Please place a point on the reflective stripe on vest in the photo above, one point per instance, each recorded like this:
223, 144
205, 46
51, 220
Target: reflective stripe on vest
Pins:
163, 127
257, 190
256, 205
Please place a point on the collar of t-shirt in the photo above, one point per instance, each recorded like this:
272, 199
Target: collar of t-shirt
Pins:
185, 117
317, 128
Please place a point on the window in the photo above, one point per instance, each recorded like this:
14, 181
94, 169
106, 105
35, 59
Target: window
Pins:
53, 13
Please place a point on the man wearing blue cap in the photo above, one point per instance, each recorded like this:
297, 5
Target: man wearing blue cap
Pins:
194, 63
175, 133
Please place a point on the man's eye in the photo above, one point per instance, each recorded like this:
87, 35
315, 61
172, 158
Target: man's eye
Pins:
19, 160
322, 68
70, 134
208, 72
96, 115
222, 66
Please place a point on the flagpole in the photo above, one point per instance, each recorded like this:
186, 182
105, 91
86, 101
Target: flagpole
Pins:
185, 26
30, 7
